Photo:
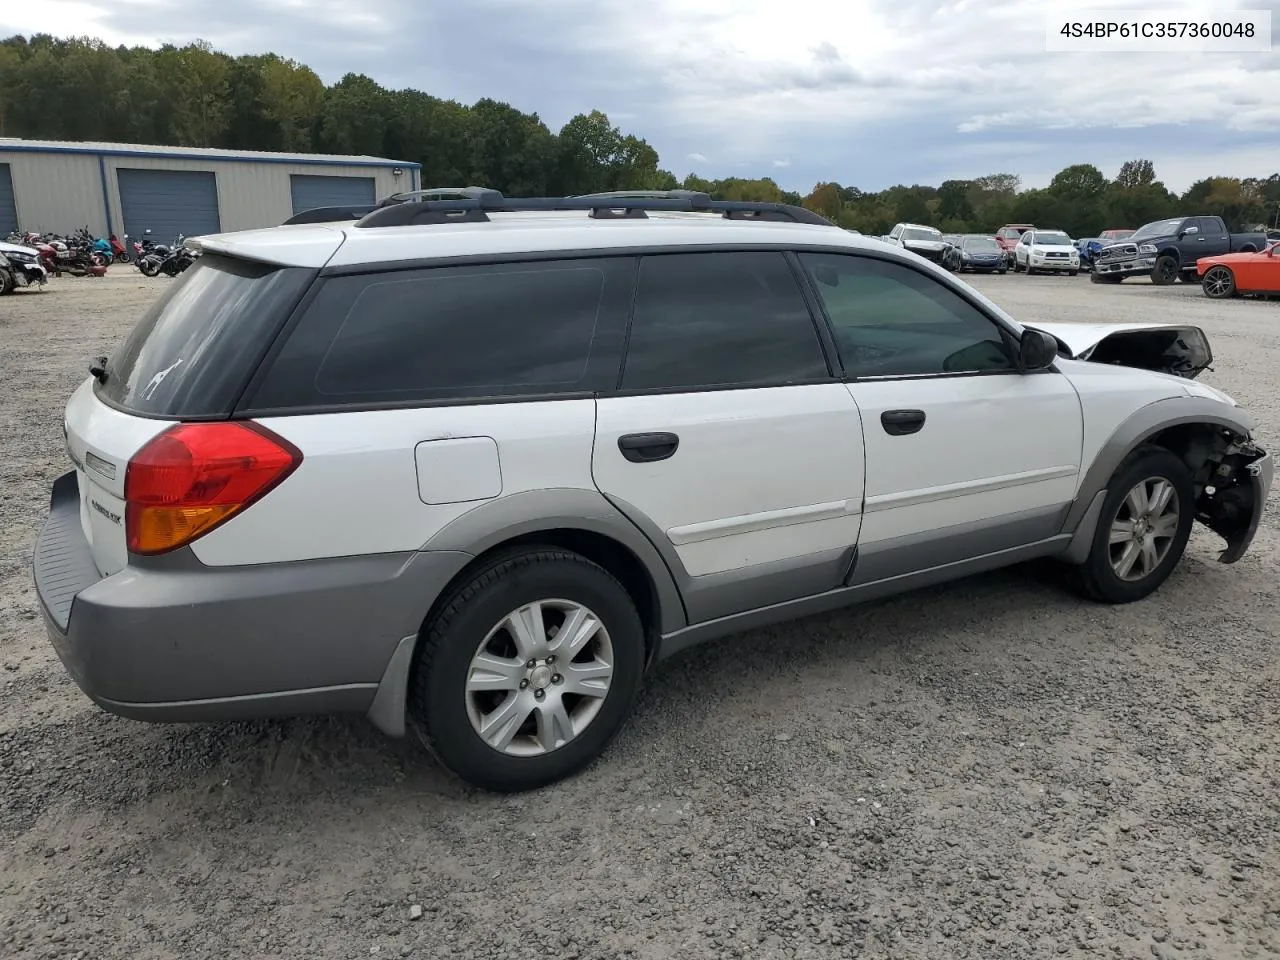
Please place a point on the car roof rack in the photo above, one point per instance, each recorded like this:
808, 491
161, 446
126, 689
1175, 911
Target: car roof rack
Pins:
331, 214
435, 193
627, 206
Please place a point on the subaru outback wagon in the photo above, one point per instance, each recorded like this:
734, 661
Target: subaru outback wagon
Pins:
470, 466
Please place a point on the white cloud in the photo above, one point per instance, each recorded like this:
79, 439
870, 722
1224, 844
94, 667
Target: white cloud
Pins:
873, 92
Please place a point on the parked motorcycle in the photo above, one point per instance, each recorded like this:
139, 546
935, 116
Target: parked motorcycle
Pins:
120, 248
169, 261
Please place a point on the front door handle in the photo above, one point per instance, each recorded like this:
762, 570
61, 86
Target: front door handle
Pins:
898, 423
648, 447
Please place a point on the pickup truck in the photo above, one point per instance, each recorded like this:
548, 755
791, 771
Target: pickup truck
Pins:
1167, 249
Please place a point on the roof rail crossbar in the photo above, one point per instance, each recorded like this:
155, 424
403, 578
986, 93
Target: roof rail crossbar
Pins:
476, 209
330, 214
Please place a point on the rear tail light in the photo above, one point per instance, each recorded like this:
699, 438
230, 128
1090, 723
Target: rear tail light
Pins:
195, 476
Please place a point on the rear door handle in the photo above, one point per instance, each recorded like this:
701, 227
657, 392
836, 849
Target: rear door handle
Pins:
648, 447
898, 423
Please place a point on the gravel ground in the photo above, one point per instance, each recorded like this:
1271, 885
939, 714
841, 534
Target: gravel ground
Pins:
993, 769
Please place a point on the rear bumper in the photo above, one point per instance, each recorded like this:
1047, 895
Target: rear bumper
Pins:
171, 639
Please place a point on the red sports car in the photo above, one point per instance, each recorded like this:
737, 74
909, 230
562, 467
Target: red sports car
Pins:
1233, 274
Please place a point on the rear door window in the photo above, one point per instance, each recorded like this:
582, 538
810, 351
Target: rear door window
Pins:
194, 350
454, 333
712, 320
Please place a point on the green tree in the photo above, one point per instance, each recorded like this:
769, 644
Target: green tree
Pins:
291, 97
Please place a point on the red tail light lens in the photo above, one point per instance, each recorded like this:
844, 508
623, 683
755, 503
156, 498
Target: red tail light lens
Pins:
195, 476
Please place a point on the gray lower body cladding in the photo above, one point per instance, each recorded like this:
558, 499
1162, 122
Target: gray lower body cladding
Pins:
181, 641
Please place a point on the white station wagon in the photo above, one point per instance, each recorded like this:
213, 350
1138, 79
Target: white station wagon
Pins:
470, 466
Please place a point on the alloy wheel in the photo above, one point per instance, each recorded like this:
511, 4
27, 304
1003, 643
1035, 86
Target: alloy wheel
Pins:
1144, 528
539, 677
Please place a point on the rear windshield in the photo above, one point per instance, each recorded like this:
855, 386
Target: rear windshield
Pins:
194, 350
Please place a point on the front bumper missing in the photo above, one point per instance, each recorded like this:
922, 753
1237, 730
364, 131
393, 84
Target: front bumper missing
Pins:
1258, 475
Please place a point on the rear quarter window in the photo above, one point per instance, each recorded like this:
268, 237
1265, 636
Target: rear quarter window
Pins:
528, 329
192, 353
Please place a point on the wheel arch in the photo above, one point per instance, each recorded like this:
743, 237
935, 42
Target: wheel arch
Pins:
579, 520
1186, 426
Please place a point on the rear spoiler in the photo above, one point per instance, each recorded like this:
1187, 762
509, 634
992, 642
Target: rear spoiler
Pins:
330, 214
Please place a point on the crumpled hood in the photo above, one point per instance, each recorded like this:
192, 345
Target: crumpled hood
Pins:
1178, 349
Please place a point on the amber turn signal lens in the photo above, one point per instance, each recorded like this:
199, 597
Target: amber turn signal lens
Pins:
196, 476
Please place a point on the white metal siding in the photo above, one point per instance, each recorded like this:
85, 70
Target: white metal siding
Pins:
168, 203
8, 212
57, 192
310, 191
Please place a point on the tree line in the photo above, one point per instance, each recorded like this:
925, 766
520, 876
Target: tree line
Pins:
194, 95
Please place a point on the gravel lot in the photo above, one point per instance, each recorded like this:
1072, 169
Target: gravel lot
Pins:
993, 769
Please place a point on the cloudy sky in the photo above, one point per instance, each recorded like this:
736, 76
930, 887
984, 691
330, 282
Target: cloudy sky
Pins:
864, 92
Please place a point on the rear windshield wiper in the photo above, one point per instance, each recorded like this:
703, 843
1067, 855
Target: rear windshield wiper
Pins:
99, 369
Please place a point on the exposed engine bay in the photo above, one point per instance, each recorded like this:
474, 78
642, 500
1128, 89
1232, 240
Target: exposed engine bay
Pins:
1228, 470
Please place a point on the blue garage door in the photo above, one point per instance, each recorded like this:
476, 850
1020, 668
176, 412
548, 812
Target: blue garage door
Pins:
168, 203
310, 192
8, 212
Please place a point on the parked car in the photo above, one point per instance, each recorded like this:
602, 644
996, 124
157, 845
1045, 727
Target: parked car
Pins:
1008, 237
1165, 250
329, 512
1236, 274
1122, 233
919, 239
1088, 248
977, 252
1046, 251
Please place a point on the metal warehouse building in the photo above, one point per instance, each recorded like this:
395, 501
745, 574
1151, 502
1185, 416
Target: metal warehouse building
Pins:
56, 186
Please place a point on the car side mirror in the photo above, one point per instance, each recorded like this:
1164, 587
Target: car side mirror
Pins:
1188, 232
1036, 350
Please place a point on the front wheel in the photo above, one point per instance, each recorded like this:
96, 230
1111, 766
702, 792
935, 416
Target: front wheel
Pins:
1165, 271
1219, 283
149, 267
528, 671
1143, 528
1073, 273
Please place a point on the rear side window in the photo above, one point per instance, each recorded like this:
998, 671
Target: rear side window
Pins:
194, 350
717, 320
466, 332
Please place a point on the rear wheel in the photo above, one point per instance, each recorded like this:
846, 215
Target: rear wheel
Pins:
1219, 283
528, 671
1143, 528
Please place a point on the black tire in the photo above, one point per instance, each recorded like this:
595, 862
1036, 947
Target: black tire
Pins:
1073, 273
7, 283
1029, 270
149, 268
1096, 576
1165, 271
438, 706
1001, 271
1219, 283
